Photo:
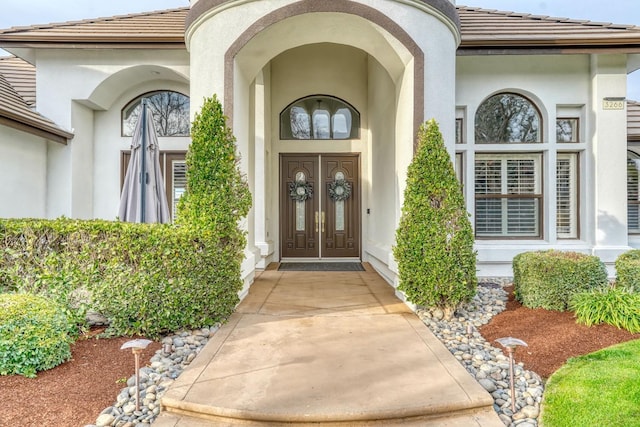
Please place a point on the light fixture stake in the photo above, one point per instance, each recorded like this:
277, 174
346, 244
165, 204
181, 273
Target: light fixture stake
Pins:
510, 344
136, 347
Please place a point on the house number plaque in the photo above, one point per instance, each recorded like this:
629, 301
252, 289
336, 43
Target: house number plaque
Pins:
613, 103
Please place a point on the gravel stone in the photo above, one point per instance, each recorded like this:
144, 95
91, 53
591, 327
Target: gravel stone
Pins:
486, 363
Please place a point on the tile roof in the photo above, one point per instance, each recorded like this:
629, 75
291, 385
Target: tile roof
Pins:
633, 121
493, 29
15, 112
164, 28
482, 29
21, 76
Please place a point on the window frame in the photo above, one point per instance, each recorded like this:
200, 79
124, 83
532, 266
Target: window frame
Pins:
305, 103
575, 127
574, 158
636, 200
133, 104
166, 157
540, 130
538, 158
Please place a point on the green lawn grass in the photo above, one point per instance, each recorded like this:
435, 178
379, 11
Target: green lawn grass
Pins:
597, 389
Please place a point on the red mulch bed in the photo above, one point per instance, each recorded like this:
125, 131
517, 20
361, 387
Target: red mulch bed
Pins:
552, 336
74, 393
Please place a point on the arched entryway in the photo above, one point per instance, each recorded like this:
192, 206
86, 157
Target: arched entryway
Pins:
382, 58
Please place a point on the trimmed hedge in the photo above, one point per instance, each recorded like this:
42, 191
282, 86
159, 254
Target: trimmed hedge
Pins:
434, 240
34, 334
146, 278
548, 279
628, 270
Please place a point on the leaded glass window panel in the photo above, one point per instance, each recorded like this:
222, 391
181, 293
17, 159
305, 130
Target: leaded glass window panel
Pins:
507, 118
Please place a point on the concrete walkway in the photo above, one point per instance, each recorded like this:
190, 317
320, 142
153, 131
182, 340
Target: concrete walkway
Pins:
328, 349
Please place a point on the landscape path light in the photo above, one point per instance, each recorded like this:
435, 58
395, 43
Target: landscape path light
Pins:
136, 347
510, 344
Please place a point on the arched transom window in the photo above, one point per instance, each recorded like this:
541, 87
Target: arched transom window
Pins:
319, 117
170, 112
507, 118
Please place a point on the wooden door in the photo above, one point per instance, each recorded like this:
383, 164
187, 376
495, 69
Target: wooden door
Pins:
299, 213
340, 205
320, 206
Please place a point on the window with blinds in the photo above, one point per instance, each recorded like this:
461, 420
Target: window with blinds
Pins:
508, 190
178, 183
633, 193
174, 170
567, 196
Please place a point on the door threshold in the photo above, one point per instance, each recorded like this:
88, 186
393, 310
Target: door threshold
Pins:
321, 266
327, 260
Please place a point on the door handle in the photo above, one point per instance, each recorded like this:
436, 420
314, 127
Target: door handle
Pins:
316, 221
323, 221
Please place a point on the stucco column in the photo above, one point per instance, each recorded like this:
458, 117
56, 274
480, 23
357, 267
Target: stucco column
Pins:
609, 189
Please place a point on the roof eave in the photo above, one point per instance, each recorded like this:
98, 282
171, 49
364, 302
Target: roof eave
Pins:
497, 47
39, 44
51, 133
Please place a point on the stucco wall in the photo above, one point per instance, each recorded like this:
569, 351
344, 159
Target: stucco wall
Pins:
108, 145
555, 84
23, 173
84, 90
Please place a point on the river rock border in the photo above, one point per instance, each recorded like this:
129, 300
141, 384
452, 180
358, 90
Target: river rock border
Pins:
164, 368
488, 364
460, 335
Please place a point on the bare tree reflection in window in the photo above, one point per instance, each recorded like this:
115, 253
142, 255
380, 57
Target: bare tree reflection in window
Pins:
170, 111
507, 118
300, 123
567, 130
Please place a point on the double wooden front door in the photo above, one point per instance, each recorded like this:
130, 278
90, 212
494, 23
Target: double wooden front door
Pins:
320, 205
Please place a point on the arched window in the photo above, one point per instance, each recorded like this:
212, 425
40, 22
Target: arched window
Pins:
170, 112
319, 117
508, 118
633, 192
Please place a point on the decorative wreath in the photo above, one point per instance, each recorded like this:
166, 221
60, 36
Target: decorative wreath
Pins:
300, 191
339, 190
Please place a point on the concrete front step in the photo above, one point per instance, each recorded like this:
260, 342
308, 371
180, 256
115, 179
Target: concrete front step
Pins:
325, 349
480, 418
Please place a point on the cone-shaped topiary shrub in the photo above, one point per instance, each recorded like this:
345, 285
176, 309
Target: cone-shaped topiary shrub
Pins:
35, 334
217, 194
434, 241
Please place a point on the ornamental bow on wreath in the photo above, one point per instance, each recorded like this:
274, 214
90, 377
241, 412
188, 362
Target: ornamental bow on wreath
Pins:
300, 191
339, 190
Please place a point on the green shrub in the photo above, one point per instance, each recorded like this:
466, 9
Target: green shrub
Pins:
547, 279
434, 240
34, 334
217, 195
628, 269
146, 278
613, 305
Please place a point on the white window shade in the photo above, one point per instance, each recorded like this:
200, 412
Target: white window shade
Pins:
567, 196
179, 183
508, 195
633, 193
